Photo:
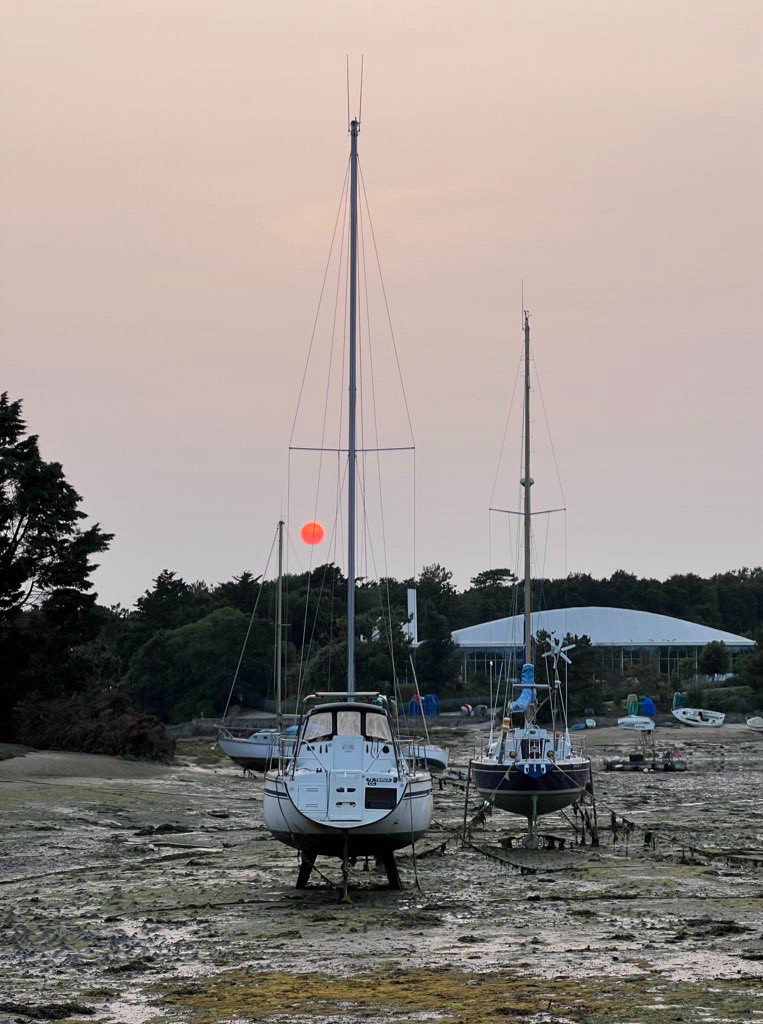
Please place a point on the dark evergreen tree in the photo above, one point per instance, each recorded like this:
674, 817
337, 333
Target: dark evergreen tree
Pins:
714, 658
45, 563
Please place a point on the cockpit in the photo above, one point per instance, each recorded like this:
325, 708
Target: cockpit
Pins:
323, 723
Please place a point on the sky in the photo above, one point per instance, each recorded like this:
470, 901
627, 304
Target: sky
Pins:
170, 176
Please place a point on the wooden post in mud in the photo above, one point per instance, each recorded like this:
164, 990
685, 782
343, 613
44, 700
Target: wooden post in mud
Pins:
595, 829
345, 870
466, 797
305, 868
390, 866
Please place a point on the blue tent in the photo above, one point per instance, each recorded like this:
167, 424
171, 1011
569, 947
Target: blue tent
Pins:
430, 703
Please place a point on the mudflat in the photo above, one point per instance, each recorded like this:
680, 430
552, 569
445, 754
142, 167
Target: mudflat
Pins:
133, 892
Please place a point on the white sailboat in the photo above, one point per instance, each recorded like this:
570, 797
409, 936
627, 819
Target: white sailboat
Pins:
348, 791
533, 769
697, 717
260, 750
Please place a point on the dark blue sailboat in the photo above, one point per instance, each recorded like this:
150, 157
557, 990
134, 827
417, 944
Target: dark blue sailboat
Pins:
531, 769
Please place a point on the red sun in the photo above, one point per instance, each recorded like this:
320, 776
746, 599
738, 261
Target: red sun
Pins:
312, 533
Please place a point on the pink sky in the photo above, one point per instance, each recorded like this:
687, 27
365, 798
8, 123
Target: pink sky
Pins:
170, 174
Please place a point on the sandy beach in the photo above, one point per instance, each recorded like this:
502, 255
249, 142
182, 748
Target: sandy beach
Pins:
133, 892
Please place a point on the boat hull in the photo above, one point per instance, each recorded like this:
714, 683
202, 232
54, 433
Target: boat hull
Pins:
542, 789
427, 755
258, 752
636, 723
699, 718
408, 821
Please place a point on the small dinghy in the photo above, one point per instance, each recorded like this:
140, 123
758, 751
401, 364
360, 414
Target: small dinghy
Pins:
699, 717
755, 723
636, 723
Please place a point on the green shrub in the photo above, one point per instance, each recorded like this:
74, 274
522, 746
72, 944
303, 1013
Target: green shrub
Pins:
105, 723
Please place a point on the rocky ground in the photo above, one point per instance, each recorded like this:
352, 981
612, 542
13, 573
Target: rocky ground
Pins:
135, 893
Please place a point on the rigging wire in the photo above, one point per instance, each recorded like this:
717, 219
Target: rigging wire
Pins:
386, 302
367, 370
306, 650
386, 613
342, 207
342, 200
506, 429
249, 627
548, 427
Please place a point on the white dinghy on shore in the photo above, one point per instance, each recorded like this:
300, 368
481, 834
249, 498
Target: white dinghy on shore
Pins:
755, 723
699, 717
636, 723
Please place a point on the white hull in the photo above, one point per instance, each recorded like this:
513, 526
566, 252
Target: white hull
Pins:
428, 754
756, 724
699, 717
260, 750
375, 831
636, 723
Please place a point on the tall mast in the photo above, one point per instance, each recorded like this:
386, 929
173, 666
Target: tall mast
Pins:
279, 625
527, 483
352, 456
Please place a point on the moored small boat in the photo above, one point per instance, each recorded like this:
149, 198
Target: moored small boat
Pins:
699, 717
755, 723
260, 750
428, 755
636, 723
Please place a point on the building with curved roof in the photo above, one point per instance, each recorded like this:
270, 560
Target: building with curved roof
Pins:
626, 635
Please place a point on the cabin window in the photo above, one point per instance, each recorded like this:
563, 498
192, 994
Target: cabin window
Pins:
348, 723
377, 727
319, 726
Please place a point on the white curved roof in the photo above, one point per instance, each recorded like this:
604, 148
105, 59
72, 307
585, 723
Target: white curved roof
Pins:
607, 627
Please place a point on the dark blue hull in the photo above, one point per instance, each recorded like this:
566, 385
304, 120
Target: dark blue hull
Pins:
531, 788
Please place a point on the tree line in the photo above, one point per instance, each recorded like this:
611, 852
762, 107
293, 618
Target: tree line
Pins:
174, 655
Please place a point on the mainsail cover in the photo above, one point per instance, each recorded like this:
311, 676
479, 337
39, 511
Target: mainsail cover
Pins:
527, 694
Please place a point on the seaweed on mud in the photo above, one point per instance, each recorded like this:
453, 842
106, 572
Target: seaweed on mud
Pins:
457, 997
47, 1011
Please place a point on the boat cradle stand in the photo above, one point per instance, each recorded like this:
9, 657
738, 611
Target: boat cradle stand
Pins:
385, 858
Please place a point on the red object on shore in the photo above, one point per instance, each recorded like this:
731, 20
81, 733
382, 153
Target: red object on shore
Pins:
312, 533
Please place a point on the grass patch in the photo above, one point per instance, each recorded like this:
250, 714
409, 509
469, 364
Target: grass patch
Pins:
457, 997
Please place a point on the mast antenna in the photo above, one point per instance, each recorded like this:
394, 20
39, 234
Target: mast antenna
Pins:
360, 101
358, 118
